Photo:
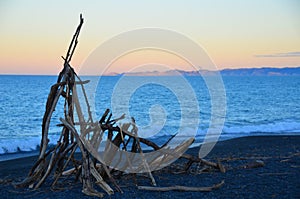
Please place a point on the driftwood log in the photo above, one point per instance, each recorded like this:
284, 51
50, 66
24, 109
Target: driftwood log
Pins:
60, 159
182, 188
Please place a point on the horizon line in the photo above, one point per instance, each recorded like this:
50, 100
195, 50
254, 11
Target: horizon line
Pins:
122, 73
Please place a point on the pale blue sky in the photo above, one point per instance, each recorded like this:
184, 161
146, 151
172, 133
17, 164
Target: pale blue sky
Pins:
34, 34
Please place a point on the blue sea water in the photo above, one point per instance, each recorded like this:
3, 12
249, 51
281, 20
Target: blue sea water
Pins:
255, 105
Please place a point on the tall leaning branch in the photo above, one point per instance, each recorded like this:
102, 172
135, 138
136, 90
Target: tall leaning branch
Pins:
88, 167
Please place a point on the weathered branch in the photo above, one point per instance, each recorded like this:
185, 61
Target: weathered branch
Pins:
182, 188
86, 135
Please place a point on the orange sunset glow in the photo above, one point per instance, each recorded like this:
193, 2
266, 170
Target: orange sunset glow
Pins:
35, 35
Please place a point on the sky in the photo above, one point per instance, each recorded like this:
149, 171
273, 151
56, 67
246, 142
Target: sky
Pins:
234, 34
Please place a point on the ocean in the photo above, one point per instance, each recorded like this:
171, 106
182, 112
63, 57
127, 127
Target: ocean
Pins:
255, 105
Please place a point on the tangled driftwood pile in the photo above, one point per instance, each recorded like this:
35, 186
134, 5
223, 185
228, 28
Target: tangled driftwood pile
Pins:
86, 135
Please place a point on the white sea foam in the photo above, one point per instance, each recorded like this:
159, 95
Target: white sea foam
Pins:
15, 145
276, 128
32, 143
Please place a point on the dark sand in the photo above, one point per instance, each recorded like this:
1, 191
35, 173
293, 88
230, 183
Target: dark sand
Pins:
279, 178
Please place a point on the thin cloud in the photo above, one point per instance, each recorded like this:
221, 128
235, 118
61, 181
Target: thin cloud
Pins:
287, 54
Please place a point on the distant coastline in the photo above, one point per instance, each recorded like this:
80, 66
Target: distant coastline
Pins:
265, 71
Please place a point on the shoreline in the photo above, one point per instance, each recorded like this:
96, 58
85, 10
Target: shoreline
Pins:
18, 155
24, 154
278, 178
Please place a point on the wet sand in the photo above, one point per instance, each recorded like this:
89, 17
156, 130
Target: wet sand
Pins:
278, 178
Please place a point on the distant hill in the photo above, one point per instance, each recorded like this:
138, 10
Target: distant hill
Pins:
261, 72
225, 72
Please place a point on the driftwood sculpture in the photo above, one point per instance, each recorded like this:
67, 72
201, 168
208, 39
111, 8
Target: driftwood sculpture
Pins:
61, 160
